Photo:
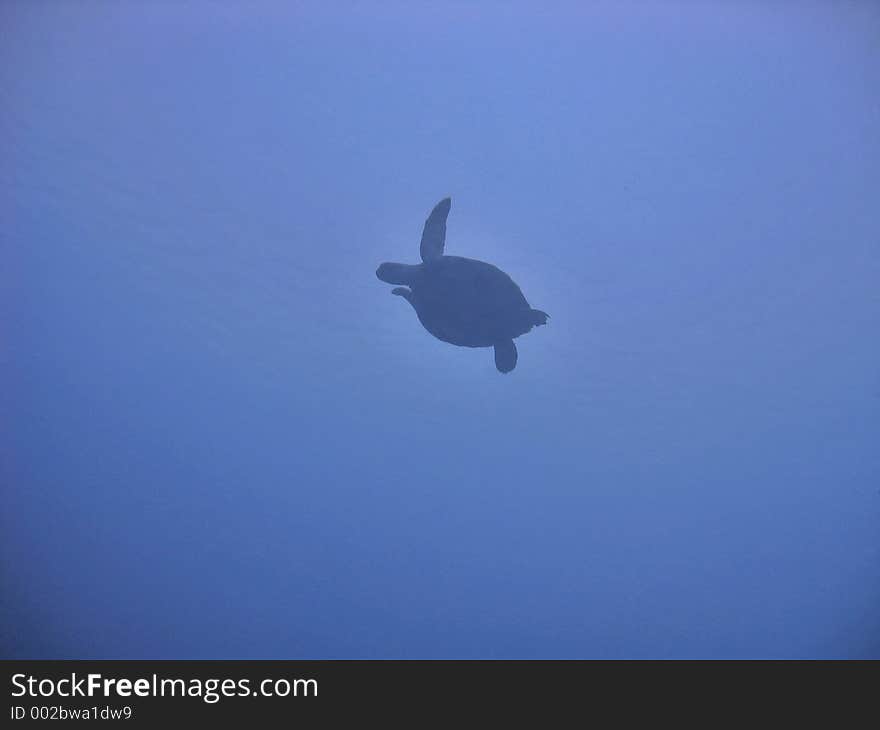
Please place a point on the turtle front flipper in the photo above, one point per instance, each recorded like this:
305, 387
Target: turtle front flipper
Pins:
505, 356
402, 291
434, 233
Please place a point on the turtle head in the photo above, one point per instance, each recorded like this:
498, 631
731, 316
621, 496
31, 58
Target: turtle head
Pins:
397, 273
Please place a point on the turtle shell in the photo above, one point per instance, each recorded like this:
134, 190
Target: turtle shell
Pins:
470, 303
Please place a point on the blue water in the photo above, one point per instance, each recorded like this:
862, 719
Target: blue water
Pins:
222, 437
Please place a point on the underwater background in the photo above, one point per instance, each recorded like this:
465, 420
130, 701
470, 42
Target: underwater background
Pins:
222, 437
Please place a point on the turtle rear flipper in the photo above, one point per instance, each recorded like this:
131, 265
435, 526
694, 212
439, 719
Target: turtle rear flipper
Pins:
505, 356
538, 317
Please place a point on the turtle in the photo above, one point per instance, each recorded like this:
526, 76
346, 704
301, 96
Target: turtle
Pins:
462, 301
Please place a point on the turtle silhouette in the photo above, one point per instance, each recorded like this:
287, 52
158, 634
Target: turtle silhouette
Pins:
462, 301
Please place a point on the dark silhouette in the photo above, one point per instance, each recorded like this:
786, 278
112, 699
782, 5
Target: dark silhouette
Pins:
463, 301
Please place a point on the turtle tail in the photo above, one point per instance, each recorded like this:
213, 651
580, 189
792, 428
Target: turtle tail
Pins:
537, 317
